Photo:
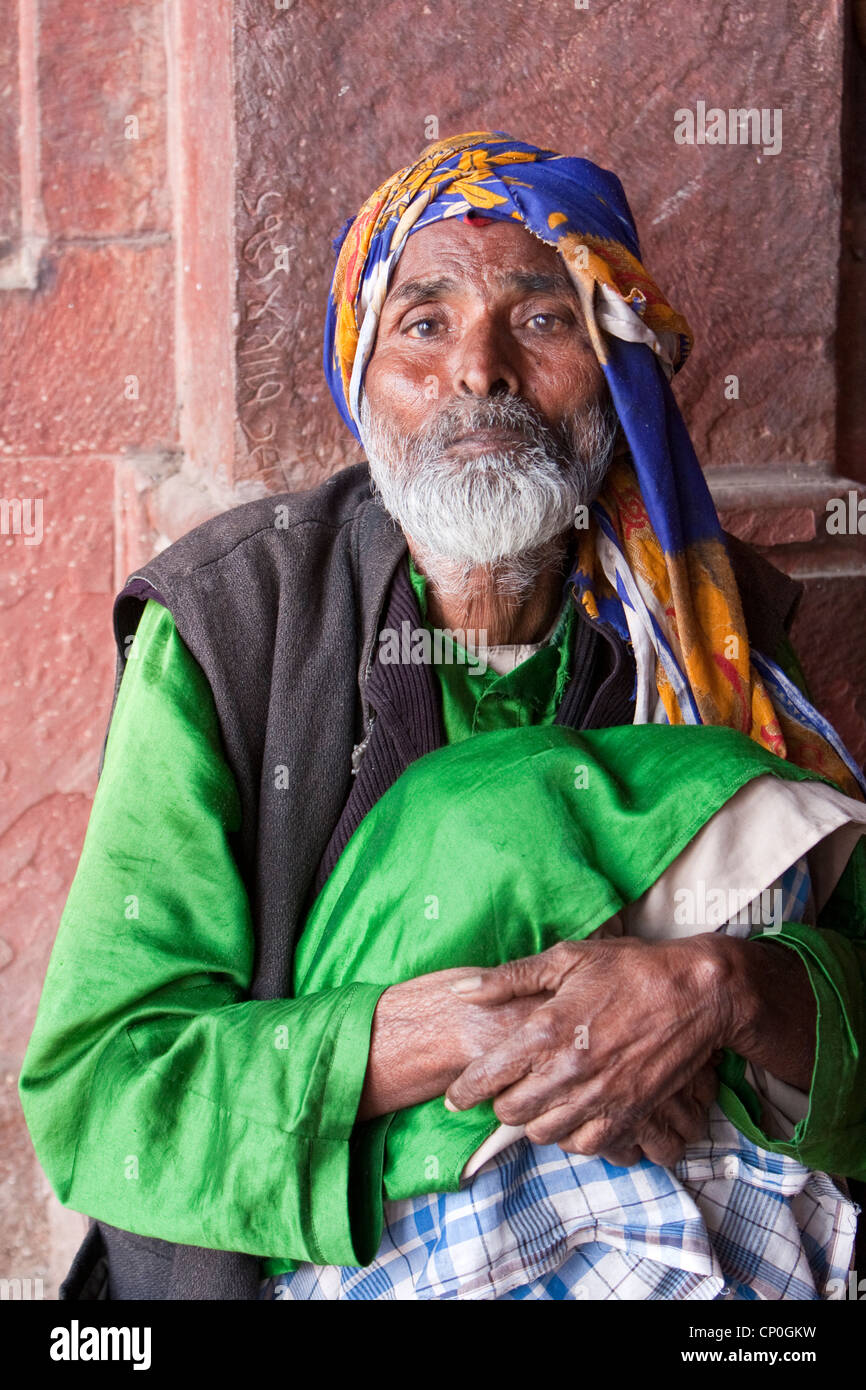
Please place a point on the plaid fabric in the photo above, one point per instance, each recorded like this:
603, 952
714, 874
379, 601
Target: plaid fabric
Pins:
796, 885
730, 1221
796, 903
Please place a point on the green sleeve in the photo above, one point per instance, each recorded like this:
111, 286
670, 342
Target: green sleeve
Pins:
160, 1098
832, 1136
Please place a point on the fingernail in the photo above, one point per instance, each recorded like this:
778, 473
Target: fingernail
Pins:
449, 1106
468, 985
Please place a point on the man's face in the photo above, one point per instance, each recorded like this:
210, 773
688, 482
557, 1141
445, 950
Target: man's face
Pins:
484, 410
475, 309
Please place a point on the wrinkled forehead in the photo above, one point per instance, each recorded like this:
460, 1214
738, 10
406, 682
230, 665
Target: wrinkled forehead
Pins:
498, 253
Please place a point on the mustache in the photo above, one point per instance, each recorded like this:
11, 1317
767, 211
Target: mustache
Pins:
511, 413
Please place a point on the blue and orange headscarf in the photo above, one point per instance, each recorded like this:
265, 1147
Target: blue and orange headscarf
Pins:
653, 561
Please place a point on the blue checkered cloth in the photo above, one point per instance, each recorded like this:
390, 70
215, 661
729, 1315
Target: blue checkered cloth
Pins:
796, 886
730, 1221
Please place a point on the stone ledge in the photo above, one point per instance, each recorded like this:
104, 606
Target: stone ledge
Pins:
782, 510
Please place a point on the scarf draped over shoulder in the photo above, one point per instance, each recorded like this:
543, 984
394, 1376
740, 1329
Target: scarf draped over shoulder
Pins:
652, 560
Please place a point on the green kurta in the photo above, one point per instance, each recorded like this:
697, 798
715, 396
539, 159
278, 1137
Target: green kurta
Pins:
159, 1097
162, 1100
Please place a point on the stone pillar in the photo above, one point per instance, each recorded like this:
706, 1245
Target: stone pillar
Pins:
89, 400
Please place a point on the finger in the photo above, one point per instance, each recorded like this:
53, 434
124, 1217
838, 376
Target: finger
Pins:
598, 1136
555, 1126
529, 975
677, 1122
545, 1087
705, 1086
662, 1137
661, 1142
597, 1132
488, 1075
590, 1140
623, 1158
684, 1116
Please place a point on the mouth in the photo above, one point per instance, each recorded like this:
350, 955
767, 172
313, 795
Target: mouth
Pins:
484, 438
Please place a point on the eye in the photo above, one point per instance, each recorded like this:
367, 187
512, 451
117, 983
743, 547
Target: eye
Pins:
551, 318
419, 323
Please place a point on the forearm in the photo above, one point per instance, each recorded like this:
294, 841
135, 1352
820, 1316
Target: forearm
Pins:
409, 1061
773, 1016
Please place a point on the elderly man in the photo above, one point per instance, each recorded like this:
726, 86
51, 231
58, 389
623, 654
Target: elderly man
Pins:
220, 1095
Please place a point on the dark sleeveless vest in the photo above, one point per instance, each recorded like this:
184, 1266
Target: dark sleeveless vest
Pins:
281, 602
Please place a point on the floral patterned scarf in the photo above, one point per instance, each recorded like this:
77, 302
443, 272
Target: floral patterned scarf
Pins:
652, 561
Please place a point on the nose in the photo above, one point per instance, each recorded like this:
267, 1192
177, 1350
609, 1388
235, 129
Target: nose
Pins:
483, 364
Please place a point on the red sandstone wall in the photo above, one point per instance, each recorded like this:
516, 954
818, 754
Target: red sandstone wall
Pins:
736, 236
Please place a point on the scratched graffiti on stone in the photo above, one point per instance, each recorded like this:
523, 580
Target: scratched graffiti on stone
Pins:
263, 268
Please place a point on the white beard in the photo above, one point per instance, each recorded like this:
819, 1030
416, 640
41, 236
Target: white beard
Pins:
505, 510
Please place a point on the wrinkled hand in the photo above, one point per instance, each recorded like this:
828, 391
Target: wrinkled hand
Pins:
424, 1035
618, 1059
664, 1136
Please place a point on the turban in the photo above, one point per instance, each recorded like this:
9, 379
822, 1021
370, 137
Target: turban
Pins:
652, 561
